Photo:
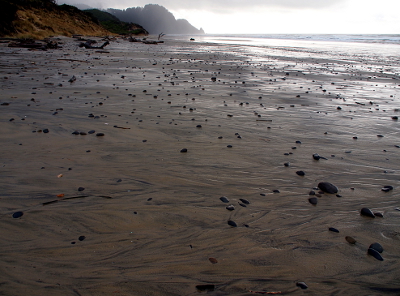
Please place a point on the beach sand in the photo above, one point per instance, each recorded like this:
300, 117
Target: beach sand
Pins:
128, 213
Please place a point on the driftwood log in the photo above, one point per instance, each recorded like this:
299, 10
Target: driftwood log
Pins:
88, 44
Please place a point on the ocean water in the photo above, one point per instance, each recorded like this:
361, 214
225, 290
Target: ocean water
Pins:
384, 46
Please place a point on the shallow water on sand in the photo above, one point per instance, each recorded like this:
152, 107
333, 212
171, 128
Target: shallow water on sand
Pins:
149, 217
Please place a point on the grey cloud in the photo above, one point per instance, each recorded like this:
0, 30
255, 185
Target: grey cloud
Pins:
219, 6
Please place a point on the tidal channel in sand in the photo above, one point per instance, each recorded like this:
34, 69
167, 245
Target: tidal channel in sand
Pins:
128, 213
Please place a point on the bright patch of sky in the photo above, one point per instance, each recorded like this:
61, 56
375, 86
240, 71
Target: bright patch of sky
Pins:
277, 16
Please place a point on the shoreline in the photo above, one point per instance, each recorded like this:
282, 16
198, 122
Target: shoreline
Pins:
151, 216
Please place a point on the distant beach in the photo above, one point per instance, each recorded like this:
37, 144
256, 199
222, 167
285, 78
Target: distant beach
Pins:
225, 165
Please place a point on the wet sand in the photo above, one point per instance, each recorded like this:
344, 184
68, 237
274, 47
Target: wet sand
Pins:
128, 213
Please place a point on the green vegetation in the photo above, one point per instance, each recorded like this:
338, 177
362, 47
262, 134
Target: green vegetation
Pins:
114, 25
43, 18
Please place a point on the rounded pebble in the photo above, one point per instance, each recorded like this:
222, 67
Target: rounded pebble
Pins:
328, 187
18, 214
302, 285
367, 212
184, 150
300, 173
376, 246
313, 200
374, 253
82, 237
230, 208
350, 240
213, 260
245, 201
333, 229
232, 223
387, 188
99, 135
224, 199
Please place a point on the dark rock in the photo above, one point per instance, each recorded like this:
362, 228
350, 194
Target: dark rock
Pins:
75, 133
91, 132
230, 208
18, 214
245, 201
276, 191
376, 247
82, 237
316, 156
328, 187
81, 188
312, 192
229, 146
333, 229
224, 199
213, 79
367, 212
242, 205
313, 200
302, 285
46, 130
232, 223
377, 214
374, 253
99, 135
350, 240
184, 150
300, 173
198, 126
387, 188
286, 164
205, 287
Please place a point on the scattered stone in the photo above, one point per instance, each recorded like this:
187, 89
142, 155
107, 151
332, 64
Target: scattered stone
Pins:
286, 164
232, 223
205, 287
350, 240
302, 285
387, 188
230, 208
374, 253
82, 237
300, 173
81, 188
99, 135
18, 214
213, 79
333, 229
276, 191
376, 247
313, 201
316, 156
312, 192
46, 130
367, 212
91, 132
328, 187
224, 199
75, 133
377, 214
213, 260
184, 150
229, 146
245, 201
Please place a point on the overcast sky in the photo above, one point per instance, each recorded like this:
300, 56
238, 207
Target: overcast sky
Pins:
276, 16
